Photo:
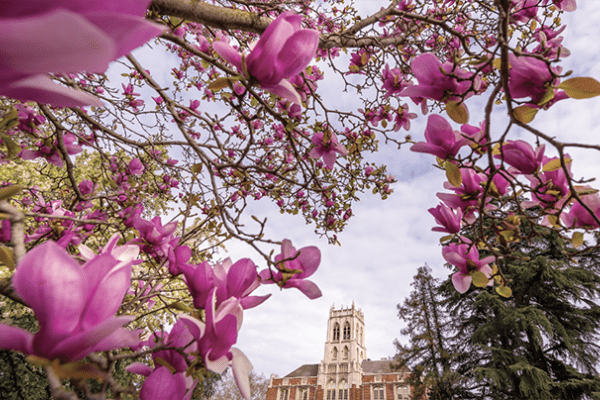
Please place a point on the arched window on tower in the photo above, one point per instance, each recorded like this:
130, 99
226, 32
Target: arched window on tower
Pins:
335, 353
347, 331
331, 390
345, 353
336, 332
343, 391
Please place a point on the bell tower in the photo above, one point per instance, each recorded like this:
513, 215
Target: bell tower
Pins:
344, 352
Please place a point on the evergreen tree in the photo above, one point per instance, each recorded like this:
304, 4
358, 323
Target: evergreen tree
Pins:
540, 343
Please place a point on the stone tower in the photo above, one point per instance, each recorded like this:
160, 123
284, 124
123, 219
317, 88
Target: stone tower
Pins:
341, 371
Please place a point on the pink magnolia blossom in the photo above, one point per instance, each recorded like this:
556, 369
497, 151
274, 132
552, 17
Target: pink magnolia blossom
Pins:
284, 50
394, 81
435, 84
231, 280
74, 304
155, 238
63, 36
447, 218
521, 157
551, 187
466, 258
162, 384
216, 337
531, 77
579, 217
327, 146
442, 141
306, 260
136, 167
565, 5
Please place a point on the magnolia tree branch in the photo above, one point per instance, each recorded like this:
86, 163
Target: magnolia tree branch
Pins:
210, 15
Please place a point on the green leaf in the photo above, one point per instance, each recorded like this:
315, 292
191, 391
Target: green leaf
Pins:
504, 291
10, 120
549, 95
524, 114
12, 148
218, 84
554, 165
581, 88
10, 191
165, 363
7, 257
453, 174
197, 168
458, 112
577, 239
479, 279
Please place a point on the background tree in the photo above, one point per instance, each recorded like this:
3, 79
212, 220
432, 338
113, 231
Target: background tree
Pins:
540, 343
226, 388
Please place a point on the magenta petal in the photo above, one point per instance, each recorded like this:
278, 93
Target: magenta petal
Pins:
12, 338
310, 289
228, 53
310, 258
423, 147
127, 31
79, 345
286, 91
241, 367
107, 286
139, 368
253, 301
461, 282
162, 384
298, 51
121, 338
42, 89
240, 276
62, 41
426, 68
52, 283
329, 159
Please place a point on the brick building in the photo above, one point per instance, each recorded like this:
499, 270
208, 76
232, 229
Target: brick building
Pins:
345, 373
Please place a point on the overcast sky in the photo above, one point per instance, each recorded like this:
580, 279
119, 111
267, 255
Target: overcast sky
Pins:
386, 241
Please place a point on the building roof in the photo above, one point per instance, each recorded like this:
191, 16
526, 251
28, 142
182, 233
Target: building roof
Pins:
378, 367
368, 367
305, 370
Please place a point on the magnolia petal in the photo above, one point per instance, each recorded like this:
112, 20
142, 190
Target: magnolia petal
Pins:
217, 366
310, 258
61, 41
287, 91
42, 89
299, 50
461, 281
76, 347
139, 368
253, 301
241, 368
194, 326
228, 53
119, 339
310, 289
128, 32
53, 285
12, 338
240, 276
162, 384
107, 286
329, 159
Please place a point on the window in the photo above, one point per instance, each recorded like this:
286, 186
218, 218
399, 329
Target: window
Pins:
343, 391
378, 393
283, 394
335, 353
347, 331
345, 353
403, 393
331, 390
336, 332
303, 394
